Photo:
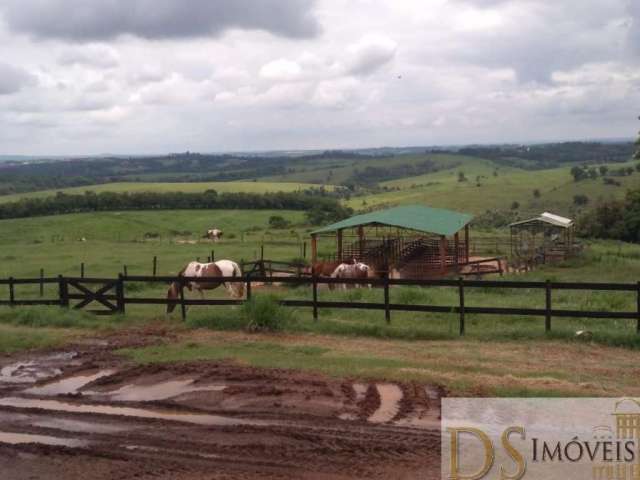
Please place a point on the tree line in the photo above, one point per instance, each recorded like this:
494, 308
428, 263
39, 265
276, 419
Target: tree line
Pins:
319, 209
534, 157
616, 220
182, 167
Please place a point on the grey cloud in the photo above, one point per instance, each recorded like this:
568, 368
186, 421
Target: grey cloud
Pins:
546, 36
634, 26
369, 54
97, 56
13, 79
78, 20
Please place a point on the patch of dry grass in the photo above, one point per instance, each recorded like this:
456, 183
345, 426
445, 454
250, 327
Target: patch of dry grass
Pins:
468, 367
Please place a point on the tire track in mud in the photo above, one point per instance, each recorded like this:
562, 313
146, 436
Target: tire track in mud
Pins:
282, 424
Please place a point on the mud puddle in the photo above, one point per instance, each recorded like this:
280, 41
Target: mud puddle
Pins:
78, 426
18, 438
390, 397
37, 369
157, 391
171, 452
57, 406
67, 386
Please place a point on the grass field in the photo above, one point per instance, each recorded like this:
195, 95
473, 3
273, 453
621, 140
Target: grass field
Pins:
336, 172
114, 239
195, 187
497, 188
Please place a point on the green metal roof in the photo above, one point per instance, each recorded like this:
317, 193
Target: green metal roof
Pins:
413, 217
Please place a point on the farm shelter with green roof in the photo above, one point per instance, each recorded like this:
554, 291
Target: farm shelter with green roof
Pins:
418, 240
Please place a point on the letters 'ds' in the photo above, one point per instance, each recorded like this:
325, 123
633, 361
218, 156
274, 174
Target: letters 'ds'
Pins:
489, 454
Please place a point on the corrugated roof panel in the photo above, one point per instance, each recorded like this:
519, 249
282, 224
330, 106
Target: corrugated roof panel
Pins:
549, 218
413, 217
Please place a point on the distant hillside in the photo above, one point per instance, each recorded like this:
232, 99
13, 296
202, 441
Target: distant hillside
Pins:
354, 167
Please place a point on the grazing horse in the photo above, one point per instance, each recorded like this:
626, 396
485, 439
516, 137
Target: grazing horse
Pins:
213, 275
325, 269
352, 270
214, 234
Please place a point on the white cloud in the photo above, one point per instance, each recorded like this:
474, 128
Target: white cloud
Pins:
281, 69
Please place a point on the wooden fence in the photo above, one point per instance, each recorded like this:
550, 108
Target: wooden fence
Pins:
111, 295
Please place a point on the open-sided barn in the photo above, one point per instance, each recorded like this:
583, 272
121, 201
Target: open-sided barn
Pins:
415, 240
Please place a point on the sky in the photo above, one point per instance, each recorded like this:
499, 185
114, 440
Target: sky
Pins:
82, 77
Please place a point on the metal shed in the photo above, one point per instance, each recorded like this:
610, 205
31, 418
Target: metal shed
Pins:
429, 239
544, 238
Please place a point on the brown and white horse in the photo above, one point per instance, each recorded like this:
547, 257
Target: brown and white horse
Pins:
352, 270
325, 269
212, 275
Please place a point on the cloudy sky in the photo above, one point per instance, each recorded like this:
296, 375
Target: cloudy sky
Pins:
142, 76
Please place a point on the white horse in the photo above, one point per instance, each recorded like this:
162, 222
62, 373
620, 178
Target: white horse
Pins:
213, 275
352, 270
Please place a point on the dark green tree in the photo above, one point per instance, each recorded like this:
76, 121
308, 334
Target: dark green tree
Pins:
637, 154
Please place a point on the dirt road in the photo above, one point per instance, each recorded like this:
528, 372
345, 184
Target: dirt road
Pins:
85, 413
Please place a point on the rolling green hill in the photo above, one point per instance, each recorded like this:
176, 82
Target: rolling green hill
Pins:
489, 186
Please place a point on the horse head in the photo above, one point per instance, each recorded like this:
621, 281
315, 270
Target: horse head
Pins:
172, 296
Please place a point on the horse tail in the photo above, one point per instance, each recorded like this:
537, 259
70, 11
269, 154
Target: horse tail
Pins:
239, 287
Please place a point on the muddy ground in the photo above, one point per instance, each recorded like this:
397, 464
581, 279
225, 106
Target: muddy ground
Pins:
85, 413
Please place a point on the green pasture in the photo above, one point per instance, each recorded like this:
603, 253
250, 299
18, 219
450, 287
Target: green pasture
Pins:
337, 171
499, 355
489, 186
115, 239
188, 187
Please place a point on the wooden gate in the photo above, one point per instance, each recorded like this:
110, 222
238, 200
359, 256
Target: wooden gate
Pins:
107, 293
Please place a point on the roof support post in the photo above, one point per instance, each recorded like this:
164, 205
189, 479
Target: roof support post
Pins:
443, 254
314, 249
456, 252
361, 242
466, 243
339, 240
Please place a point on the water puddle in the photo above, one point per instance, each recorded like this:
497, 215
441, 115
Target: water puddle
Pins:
37, 369
18, 438
390, 396
55, 405
69, 385
158, 391
78, 426
145, 448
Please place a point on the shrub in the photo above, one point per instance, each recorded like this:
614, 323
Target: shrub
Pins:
263, 313
580, 200
278, 222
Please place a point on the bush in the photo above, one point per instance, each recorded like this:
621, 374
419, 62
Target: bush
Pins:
263, 313
278, 222
580, 200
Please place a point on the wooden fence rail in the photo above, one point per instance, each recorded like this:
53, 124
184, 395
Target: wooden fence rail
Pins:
110, 293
